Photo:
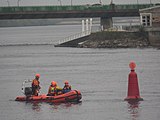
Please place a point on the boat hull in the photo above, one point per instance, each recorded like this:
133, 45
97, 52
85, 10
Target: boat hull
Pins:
72, 96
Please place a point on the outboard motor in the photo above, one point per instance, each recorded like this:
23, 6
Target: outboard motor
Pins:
28, 91
26, 88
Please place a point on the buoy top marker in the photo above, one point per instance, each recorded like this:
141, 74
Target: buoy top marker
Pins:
132, 65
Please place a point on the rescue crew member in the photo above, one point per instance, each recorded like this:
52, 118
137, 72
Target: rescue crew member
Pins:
66, 87
51, 90
36, 85
54, 89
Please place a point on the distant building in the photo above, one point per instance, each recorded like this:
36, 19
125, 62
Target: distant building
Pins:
150, 19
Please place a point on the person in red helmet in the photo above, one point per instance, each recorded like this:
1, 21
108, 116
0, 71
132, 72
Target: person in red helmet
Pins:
51, 90
66, 87
36, 85
54, 89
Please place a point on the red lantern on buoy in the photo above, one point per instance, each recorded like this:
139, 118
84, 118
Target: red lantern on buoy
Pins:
133, 88
132, 65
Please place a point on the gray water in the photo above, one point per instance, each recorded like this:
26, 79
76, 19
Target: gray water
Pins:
100, 74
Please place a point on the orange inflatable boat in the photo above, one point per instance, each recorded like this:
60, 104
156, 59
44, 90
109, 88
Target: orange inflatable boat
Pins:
72, 96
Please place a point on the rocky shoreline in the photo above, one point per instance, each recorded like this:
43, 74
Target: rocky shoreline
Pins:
116, 39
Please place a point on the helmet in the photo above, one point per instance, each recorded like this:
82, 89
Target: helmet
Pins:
53, 83
37, 75
66, 82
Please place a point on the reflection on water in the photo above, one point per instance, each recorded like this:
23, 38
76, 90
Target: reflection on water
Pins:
133, 109
37, 106
64, 105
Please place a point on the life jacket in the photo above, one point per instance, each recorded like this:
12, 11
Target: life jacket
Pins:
67, 87
54, 90
35, 82
51, 90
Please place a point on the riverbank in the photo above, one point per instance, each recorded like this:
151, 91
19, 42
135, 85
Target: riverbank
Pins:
116, 39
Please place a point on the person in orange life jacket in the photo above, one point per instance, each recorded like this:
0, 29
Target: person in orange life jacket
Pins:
66, 87
36, 85
54, 89
51, 90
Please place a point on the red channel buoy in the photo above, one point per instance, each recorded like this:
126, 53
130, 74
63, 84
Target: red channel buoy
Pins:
133, 88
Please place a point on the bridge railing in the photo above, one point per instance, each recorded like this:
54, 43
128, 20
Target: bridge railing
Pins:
134, 6
13, 9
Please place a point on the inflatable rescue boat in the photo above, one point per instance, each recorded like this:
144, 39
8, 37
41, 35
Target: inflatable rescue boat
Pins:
71, 96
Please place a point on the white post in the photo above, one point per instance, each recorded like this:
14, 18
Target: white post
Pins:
102, 28
87, 28
90, 27
83, 28
121, 28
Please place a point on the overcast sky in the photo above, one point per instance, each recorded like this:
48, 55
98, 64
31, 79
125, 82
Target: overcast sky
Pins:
68, 2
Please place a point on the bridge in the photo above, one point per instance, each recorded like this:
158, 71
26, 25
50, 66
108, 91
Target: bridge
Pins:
105, 12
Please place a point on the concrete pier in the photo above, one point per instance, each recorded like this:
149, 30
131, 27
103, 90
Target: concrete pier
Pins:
106, 22
154, 37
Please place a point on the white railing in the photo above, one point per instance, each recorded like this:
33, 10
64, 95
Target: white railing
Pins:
73, 37
79, 35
